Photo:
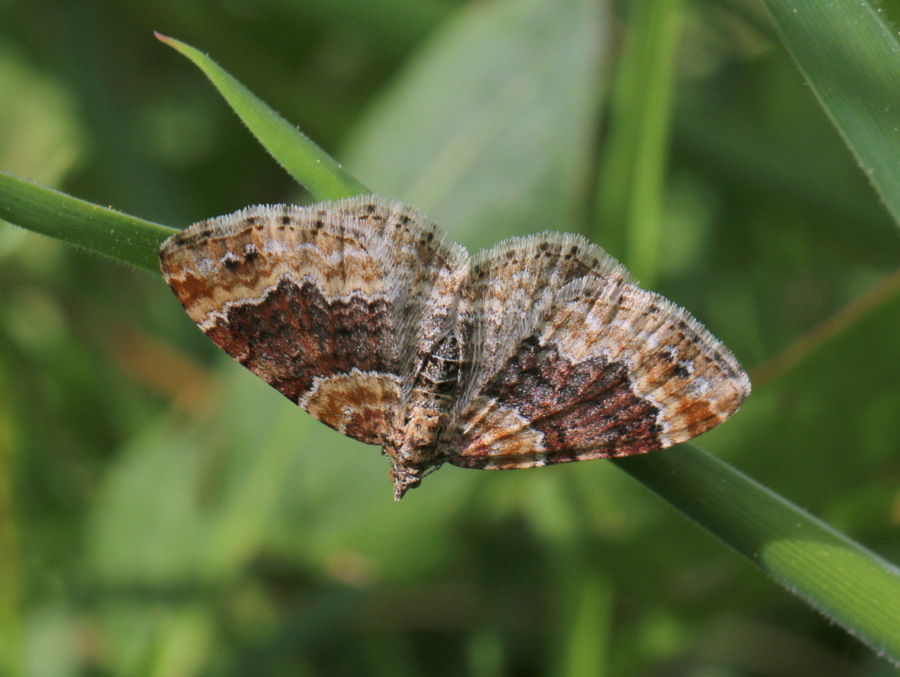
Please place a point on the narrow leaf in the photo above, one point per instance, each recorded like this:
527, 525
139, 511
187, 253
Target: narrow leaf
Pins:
851, 58
292, 149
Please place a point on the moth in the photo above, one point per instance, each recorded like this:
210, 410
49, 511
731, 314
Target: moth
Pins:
540, 350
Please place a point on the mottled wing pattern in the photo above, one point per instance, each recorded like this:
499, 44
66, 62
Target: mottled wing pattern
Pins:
510, 291
423, 274
597, 368
316, 300
541, 351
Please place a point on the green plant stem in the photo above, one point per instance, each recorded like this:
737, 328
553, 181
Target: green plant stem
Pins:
849, 584
105, 231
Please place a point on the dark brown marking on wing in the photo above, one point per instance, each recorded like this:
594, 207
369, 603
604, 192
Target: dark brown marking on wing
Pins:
567, 412
294, 334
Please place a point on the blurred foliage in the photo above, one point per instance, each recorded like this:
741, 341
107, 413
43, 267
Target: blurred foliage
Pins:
162, 512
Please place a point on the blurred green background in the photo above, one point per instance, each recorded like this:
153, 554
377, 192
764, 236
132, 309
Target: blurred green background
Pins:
163, 512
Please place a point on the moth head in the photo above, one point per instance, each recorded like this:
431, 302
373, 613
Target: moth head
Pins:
405, 477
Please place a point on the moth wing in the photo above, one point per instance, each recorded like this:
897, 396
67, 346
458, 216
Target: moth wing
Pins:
582, 364
321, 302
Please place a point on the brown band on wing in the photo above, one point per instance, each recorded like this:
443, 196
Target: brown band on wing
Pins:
293, 334
566, 411
295, 339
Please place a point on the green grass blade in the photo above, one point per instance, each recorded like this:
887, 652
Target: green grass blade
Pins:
297, 153
630, 192
854, 587
105, 231
849, 55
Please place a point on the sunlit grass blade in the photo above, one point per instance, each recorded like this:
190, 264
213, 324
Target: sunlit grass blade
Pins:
297, 153
851, 59
105, 231
850, 585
